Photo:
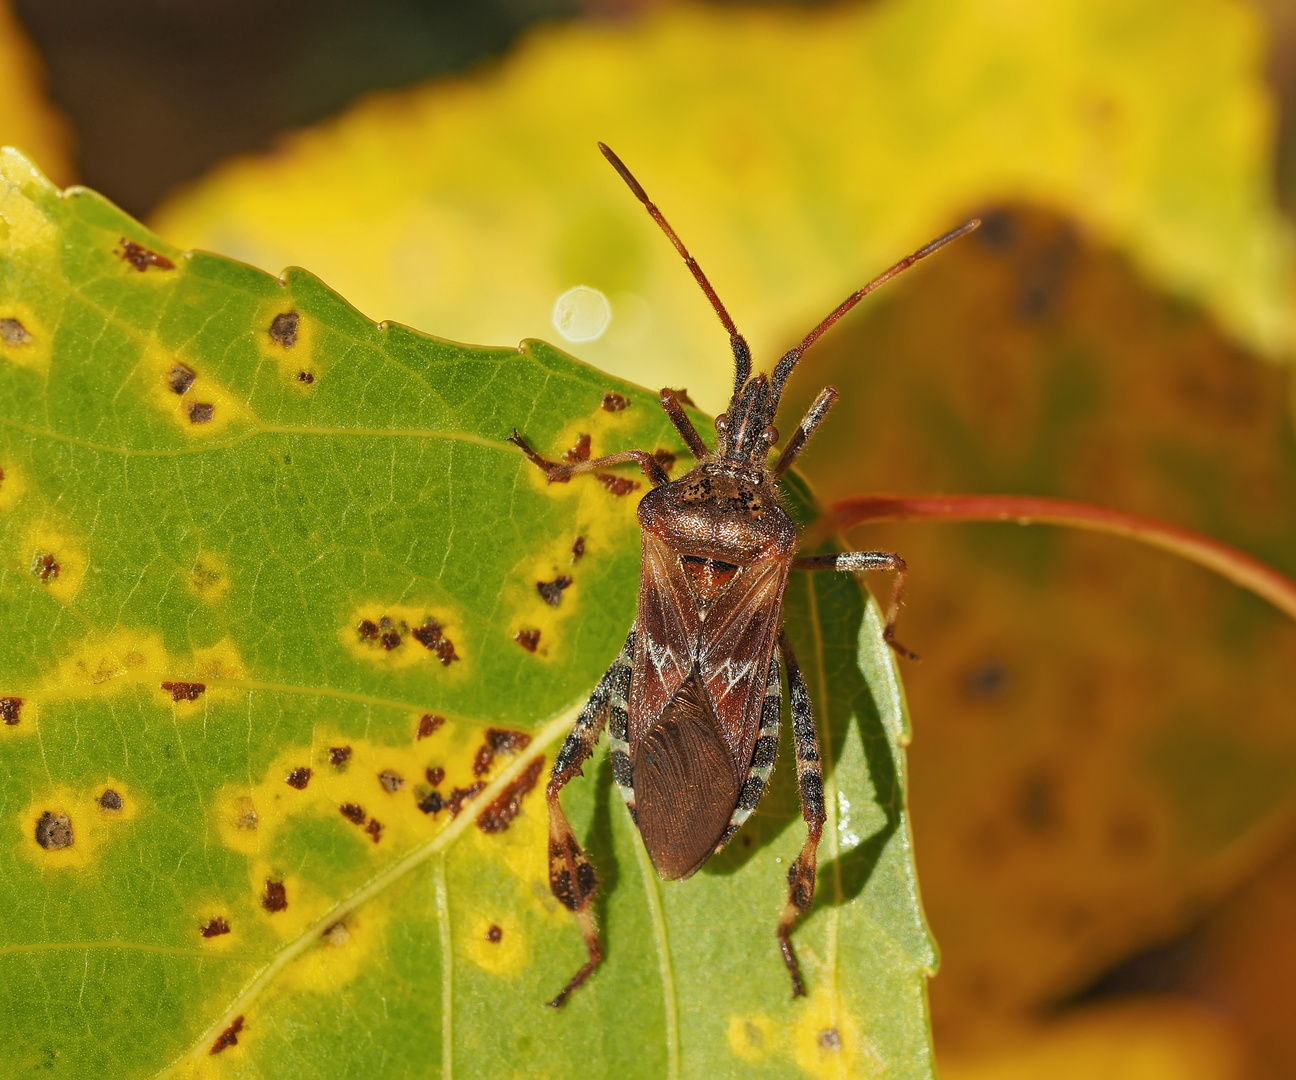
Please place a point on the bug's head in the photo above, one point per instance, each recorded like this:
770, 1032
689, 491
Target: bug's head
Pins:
746, 429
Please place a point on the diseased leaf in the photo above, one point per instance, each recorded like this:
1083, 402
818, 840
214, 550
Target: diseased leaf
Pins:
271, 581
797, 149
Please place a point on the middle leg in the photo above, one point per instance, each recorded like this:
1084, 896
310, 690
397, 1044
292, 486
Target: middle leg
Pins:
854, 561
560, 474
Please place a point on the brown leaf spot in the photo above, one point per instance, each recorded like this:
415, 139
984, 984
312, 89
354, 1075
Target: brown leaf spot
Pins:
10, 710
432, 803
494, 935
44, 566
665, 459
298, 778
391, 781
214, 927
551, 592
390, 640
12, 332
141, 257
110, 800
352, 812
987, 681
578, 548
617, 485
247, 816
498, 741
180, 378
528, 639
460, 796
432, 637
428, 724
337, 935
275, 896
829, 1039
614, 402
374, 829
54, 831
579, 452
435, 774
283, 329
1038, 805
367, 629
228, 1037
184, 691
339, 756
200, 412
305, 377
499, 815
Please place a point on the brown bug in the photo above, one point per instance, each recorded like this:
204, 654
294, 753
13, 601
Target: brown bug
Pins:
693, 699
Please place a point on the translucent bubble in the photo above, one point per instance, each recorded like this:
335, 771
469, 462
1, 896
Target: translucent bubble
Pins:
582, 314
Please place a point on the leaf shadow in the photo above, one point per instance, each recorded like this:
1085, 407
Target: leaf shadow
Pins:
601, 849
840, 603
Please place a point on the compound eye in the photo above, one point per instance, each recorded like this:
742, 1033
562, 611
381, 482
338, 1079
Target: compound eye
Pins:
770, 435
722, 423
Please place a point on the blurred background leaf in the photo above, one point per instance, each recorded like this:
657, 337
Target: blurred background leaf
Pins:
27, 120
1103, 769
797, 151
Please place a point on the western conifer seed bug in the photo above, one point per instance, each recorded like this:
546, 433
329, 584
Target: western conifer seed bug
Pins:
693, 699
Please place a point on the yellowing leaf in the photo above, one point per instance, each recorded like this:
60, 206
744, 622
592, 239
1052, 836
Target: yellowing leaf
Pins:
1137, 1041
796, 151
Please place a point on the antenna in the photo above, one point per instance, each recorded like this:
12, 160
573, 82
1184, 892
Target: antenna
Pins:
790, 358
742, 354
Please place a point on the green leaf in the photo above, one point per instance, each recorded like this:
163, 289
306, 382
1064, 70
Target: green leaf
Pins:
184, 575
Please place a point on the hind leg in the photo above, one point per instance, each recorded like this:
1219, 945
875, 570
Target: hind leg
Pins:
571, 875
801, 875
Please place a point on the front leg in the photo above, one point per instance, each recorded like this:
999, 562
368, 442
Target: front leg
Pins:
801, 875
560, 474
854, 561
571, 875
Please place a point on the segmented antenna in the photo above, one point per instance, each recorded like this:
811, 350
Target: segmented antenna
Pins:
742, 354
790, 358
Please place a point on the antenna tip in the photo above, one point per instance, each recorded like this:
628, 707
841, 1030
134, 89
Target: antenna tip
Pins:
625, 173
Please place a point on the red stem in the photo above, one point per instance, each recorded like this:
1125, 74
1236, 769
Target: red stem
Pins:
1239, 567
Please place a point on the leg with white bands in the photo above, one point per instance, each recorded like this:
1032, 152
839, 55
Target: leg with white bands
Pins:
571, 875
854, 561
801, 875
766, 749
618, 706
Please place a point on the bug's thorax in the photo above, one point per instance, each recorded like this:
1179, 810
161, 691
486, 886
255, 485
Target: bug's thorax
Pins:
720, 512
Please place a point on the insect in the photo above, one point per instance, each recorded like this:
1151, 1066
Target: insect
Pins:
693, 699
